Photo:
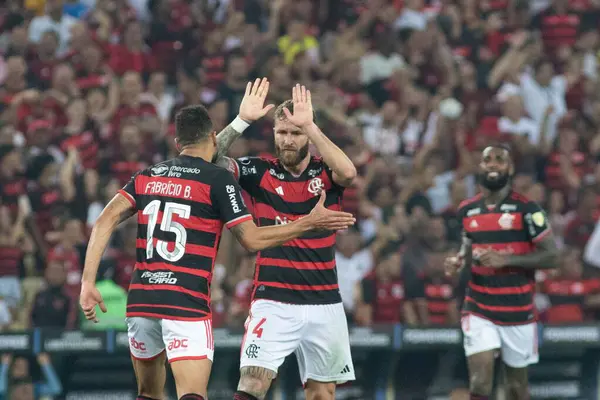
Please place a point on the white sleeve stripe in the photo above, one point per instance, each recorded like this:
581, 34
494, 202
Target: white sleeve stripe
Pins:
238, 218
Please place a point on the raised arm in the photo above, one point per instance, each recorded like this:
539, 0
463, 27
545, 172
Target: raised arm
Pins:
343, 169
254, 238
251, 109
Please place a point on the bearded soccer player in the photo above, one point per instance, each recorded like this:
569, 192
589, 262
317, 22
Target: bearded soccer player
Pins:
506, 237
181, 206
296, 305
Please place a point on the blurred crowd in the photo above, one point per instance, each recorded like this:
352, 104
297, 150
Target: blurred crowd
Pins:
412, 90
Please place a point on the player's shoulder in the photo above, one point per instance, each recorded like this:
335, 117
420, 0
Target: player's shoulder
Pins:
257, 160
521, 202
189, 168
470, 203
317, 161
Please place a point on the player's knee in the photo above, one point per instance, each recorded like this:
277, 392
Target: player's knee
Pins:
480, 383
148, 388
517, 390
149, 393
320, 392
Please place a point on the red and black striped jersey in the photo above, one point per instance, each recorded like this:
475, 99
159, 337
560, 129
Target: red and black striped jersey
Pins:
503, 295
437, 291
567, 299
182, 205
301, 271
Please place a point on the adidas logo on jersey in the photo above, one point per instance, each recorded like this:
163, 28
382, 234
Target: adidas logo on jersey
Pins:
473, 224
346, 370
279, 190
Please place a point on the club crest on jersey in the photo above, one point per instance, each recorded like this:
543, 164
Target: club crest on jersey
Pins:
159, 170
506, 221
315, 186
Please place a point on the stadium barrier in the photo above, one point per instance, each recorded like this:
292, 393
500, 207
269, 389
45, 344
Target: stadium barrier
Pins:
379, 353
394, 337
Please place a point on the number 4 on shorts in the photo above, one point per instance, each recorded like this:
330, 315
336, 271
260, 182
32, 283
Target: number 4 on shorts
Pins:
258, 330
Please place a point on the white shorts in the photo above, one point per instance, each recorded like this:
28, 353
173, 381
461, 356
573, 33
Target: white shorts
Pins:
183, 340
317, 334
518, 344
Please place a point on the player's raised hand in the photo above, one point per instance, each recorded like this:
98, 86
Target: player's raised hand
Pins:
324, 219
88, 300
253, 104
452, 265
303, 109
491, 258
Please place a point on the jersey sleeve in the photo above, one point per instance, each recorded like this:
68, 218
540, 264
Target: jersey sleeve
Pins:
536, 222
249, 171
226, 197
128, 191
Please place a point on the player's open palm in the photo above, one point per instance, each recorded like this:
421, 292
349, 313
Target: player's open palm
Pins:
325, 219
253, 103
88, 300
303, 109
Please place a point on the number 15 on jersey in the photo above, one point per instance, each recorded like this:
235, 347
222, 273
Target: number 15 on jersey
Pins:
152, 210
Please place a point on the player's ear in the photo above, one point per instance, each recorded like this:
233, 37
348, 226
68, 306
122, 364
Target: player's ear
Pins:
177, 145
213, 136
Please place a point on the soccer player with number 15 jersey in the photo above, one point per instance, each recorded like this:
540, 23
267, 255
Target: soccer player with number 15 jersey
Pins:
181, 206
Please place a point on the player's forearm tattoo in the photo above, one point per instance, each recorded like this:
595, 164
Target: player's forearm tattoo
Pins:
238, 232
545, 256
256, 381
225, 139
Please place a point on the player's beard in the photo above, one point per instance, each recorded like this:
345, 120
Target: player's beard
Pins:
291, 159
491, 184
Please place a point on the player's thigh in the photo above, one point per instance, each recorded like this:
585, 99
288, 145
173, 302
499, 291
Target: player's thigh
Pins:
517, 382
481, 342
190, 350
272, 332
519, 345
147, 354
191, 376
150, 375
315, 390
324, 353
